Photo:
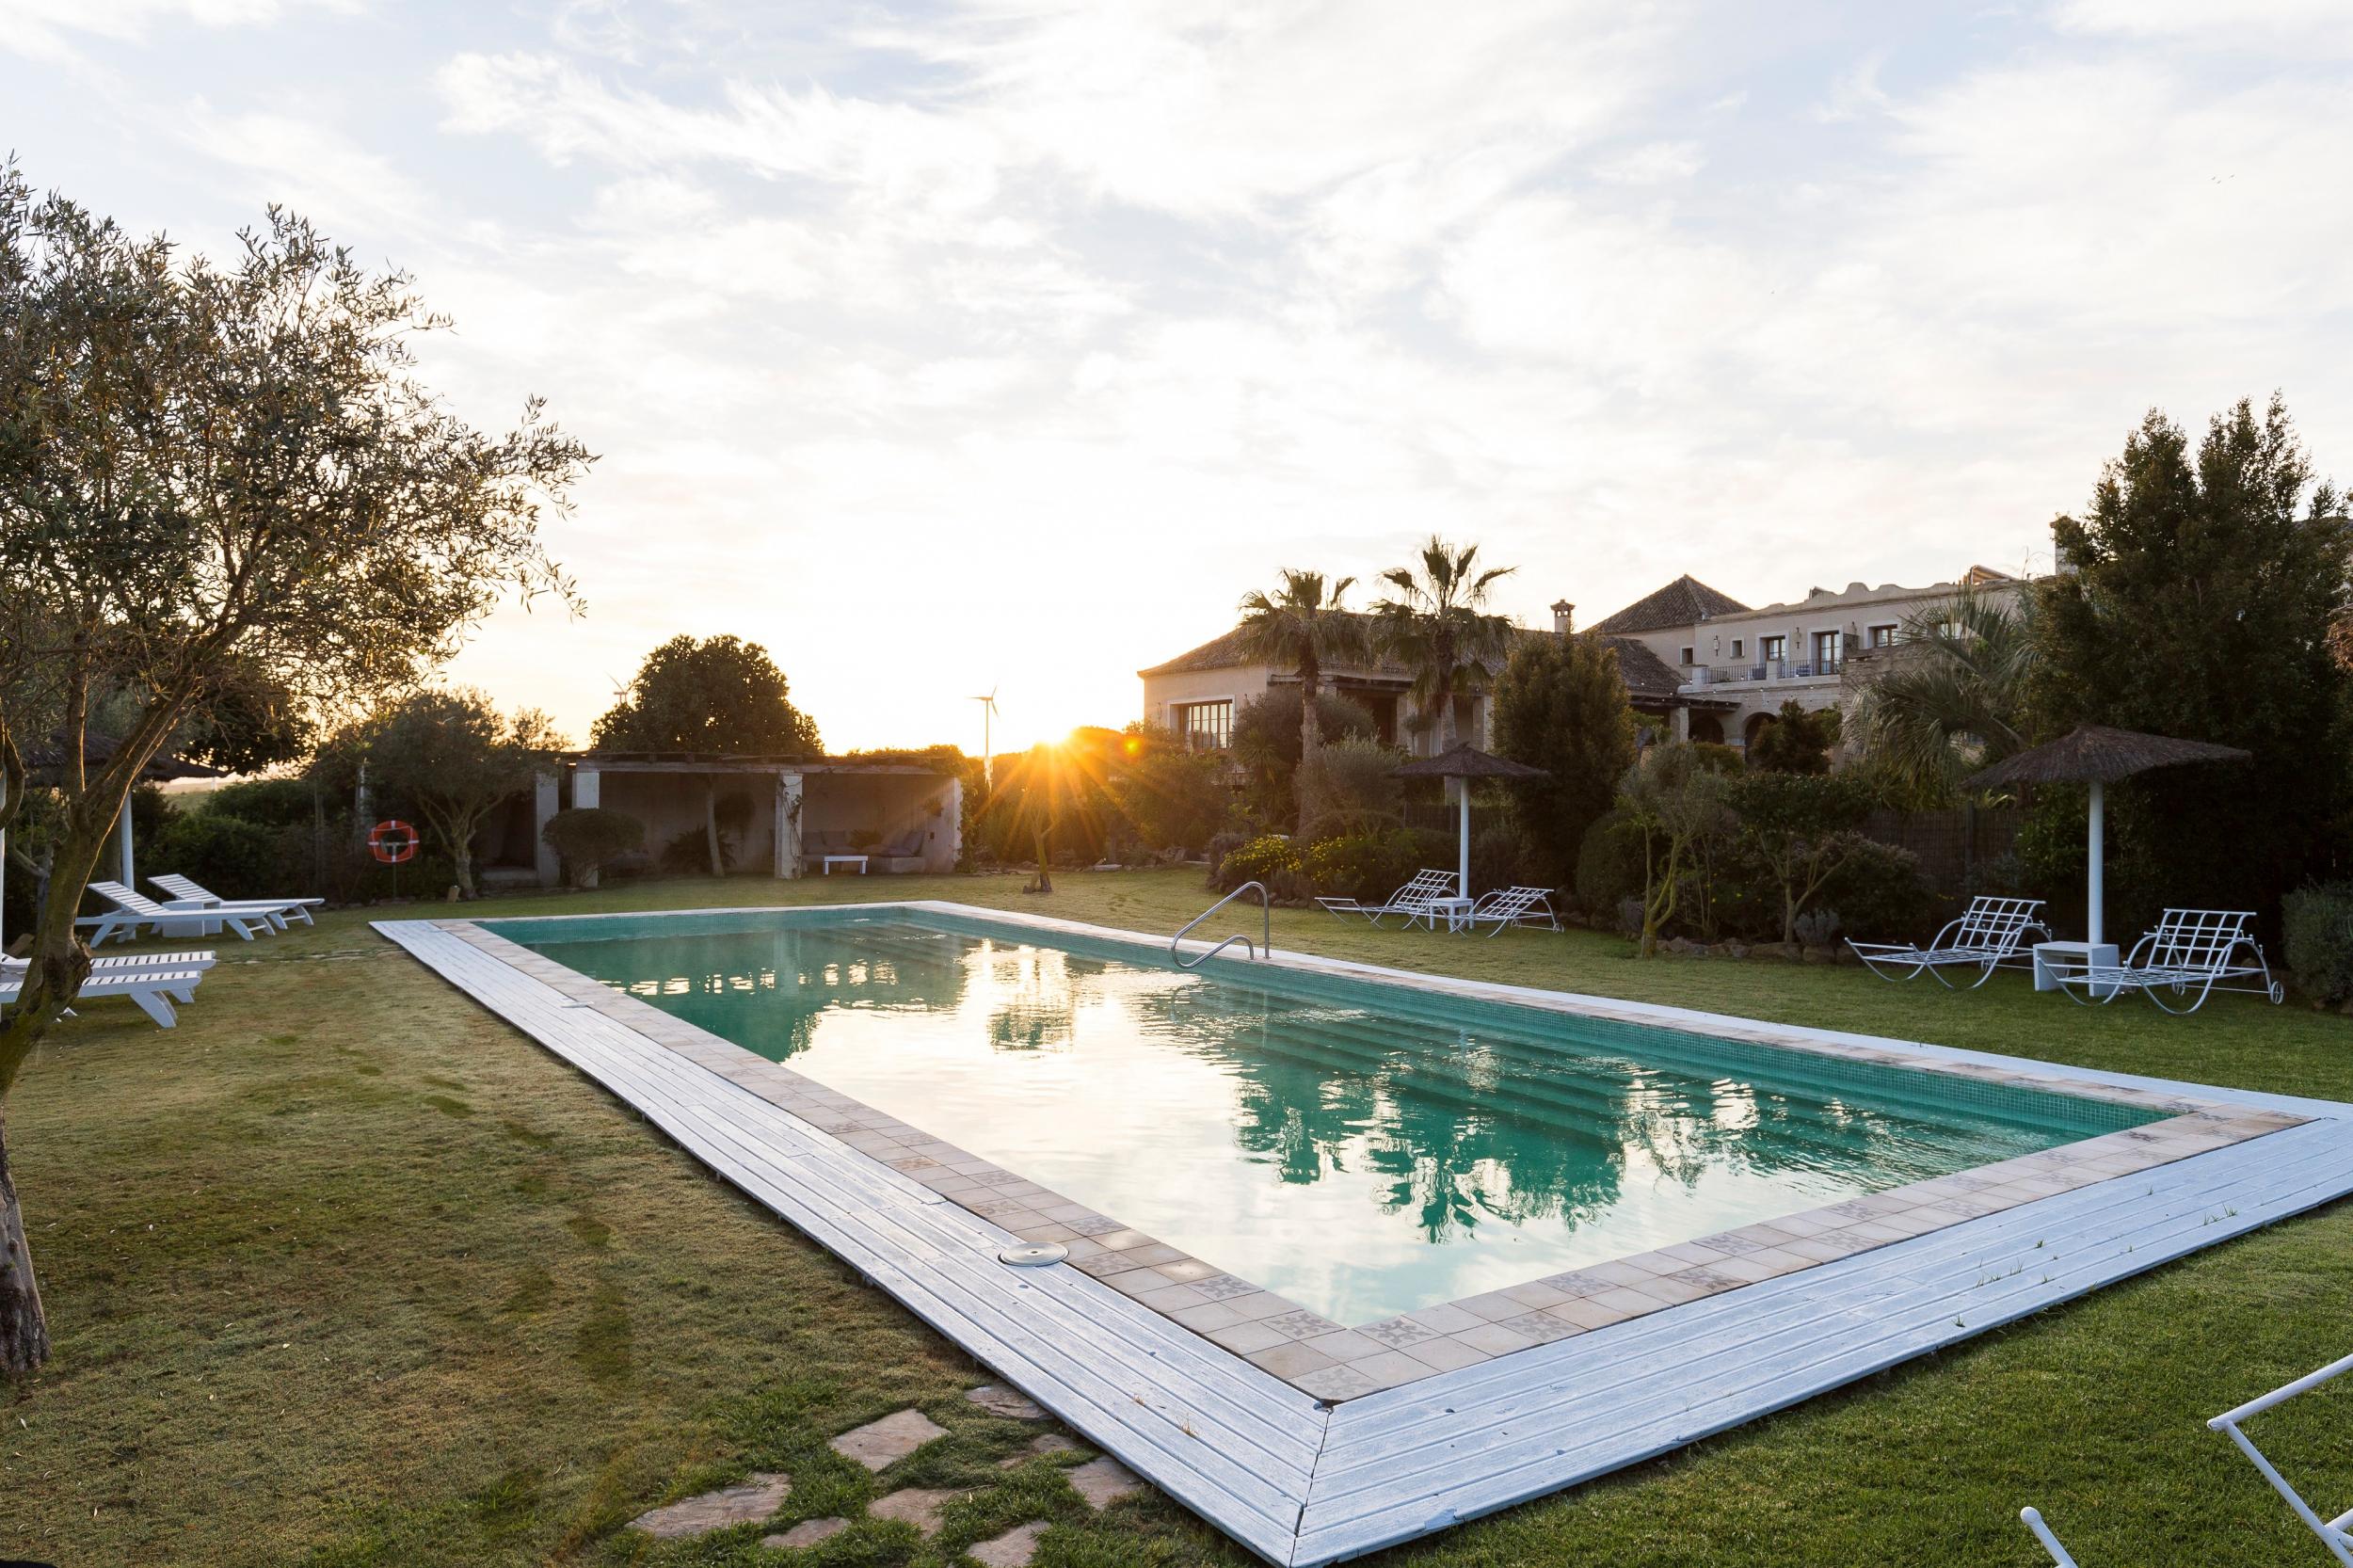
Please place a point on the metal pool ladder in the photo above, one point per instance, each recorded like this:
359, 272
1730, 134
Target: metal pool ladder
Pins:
1266, 929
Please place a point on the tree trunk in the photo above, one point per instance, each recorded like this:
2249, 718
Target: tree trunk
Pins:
1307, 792
23, 1331
1045, 865
710, 824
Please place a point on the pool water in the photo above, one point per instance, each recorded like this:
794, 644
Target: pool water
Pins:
1362, 1148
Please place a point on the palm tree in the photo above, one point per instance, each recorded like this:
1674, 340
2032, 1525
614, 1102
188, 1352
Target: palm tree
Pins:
1300, 625
1438, 626
1953, 699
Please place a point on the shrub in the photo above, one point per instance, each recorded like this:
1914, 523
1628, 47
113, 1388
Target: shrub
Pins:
1364, 866
1222, 845
2318, 939
586, 837
1356, 779
271, 802
1878, 894
230, 856
1259, 860
1501, 857
1608, 866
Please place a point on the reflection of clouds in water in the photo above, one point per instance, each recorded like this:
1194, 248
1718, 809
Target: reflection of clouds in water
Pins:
1361, 1161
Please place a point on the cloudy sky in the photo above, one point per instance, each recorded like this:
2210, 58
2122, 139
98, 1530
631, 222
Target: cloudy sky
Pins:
938, 346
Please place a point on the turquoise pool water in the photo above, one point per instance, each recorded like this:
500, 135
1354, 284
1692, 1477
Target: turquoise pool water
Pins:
1364, 1149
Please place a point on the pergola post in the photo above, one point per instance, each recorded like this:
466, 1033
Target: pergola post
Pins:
586, 792
2097, 859
125, 858
788, 854
1462, 886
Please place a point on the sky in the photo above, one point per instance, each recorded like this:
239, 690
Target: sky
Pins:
1007, 343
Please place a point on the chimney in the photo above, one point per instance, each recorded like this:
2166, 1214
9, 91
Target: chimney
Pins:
1563, 617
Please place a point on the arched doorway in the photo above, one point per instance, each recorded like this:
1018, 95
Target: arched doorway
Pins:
1708, 728
1753, 727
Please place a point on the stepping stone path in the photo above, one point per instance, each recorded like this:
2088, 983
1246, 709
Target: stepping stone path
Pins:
1103, 1481
878, 1445
747, 1502
1052, 1442
998, 1400
807, 1533
1011, 1549
919, 1506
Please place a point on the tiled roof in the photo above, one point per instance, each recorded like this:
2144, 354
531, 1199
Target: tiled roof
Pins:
1225, 652
1647, 676
1682, 603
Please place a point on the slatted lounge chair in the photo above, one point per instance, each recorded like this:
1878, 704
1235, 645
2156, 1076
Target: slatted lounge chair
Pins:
133, 909
1987, 936
1411, 901
2337, 1533
2190, 954
187, 890
150, 990
1510, 906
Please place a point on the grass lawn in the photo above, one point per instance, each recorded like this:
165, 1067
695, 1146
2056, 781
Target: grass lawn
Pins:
343, 1271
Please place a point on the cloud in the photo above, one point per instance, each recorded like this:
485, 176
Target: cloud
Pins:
44, 29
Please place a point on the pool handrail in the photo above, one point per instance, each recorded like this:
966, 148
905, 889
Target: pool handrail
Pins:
1266, 932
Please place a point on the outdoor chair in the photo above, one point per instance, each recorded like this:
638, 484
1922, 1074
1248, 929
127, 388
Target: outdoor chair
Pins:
2337, 1533
151, 989
179, 918
1411, 901
189, 890
1986, 936
2190, 954
1510, 906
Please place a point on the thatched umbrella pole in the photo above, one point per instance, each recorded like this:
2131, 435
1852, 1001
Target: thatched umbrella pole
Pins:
1466, 762
2095, 755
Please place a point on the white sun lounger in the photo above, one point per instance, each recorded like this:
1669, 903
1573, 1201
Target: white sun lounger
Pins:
1509, 906
150, 990
1411, 901
2337, 1533
187, 891
1985, 937
133, 909
2189, 950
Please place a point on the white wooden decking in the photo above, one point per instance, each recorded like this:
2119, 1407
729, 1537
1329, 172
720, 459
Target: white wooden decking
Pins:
1303, 1483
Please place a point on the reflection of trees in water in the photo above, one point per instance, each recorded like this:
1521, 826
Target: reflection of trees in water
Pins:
1033, 994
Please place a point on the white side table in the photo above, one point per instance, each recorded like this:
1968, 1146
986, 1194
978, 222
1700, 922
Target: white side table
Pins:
1456, 910
833, 860
2074, 955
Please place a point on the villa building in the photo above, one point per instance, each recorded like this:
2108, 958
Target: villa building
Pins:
1698, 663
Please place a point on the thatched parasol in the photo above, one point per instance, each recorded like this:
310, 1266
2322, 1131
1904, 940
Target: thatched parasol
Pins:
2096, 755
1466, 761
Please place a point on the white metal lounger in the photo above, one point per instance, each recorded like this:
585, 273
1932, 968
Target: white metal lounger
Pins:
133, 909
150, 990
187, 891
1411, 901
2189, 951
1510, 906
2337, 1533
1986, 936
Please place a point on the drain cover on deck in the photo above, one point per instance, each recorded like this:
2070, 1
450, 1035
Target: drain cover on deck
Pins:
1033, 1254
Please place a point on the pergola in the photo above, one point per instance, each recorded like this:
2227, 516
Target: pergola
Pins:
46, 764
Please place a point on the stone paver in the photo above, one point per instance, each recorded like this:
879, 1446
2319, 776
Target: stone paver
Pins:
919, 1506
1052, 1442
880, 1444
998, 1400
807, 1533
747, 1502
1103, 1481
1011, 1549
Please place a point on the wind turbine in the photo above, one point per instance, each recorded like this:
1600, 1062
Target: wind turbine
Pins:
988, 713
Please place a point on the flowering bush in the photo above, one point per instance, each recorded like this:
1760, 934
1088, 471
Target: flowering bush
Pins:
1260, 861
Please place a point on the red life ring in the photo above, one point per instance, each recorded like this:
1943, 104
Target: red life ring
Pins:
392, 842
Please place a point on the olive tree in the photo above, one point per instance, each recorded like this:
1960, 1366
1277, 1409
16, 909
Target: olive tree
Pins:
453, 759
213, 472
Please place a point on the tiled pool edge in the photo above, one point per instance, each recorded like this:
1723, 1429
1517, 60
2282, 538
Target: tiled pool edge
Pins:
1334, 1361
1338, 1521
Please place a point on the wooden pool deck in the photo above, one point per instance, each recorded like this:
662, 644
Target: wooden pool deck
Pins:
1300, 1481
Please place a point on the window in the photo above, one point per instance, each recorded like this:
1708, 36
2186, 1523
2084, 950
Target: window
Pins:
1207, 725
1686, 657
1736, 647
1881, 636
1825, 653
1772, 649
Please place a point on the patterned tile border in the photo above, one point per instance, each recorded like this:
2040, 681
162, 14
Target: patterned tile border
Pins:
1334, 1362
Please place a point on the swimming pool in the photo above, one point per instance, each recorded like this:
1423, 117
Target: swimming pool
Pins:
1363, 1149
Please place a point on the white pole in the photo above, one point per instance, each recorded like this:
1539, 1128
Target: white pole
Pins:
2098, 859
1464, 872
